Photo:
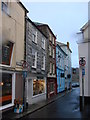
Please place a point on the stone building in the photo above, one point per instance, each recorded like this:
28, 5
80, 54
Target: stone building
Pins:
51, 59
36, 58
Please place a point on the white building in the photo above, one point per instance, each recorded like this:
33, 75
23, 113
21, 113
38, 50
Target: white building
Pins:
84, 48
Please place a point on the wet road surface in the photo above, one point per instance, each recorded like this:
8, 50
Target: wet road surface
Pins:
64, 107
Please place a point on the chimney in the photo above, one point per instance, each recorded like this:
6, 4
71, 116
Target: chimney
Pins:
68, 44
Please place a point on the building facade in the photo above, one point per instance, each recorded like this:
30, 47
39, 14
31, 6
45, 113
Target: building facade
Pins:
13, 34
36, 58
60, 68
83, 49
68, 65
51, 59
75, 75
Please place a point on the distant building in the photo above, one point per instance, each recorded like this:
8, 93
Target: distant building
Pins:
51, 59
68, 67
75, 75
36, 58
13, 38
60, 68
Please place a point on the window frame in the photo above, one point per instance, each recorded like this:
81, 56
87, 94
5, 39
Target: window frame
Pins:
35, 62
43, 61
34, 39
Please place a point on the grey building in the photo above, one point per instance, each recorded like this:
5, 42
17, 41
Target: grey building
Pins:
36, 60
51, 59
75, 75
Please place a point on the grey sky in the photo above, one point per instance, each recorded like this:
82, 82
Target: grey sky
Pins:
65, 20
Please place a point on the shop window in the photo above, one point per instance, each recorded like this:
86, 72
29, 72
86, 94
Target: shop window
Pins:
38, 87
7, 49
6, 89
51, 87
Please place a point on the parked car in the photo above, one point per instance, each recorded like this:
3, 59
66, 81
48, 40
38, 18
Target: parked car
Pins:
75, 84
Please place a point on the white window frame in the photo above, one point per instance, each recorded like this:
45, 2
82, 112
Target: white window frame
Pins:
50, 68
53, 40
35, 36
43, 43
50, 50
53, 69
13, 91
43, 66
11, 56
50, 37
35, 59
53, 53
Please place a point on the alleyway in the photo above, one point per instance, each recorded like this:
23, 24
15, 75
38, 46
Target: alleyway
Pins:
64, 107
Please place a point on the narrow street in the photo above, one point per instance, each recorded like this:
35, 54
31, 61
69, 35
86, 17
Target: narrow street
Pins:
64, 107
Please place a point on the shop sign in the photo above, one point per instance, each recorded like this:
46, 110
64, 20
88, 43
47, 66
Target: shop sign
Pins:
24, 74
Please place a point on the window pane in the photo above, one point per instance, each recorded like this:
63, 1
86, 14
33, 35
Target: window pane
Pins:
38, 87
6, 86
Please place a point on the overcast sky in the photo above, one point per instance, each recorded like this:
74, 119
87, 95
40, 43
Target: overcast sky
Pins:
65, 20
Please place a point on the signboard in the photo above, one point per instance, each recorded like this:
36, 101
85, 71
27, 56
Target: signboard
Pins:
24, 74
82, 62
83, 71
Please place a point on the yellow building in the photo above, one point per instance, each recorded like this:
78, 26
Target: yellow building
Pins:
12, 16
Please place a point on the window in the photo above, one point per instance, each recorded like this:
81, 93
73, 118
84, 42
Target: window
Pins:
51, 87
50, 50
6, 89
53, 68
50, 68
34, 58
62, 75
5, 7
38, 87
34, 36
7, 49
43, 43
50, 37
43, 62
53, 53
74, 71
53, 40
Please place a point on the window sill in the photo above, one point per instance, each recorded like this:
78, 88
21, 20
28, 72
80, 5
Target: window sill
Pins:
38, 95
33, 67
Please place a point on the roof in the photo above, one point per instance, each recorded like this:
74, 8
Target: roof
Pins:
60, 48
35, 26
63, 44
42, 24
22, 6
85, 26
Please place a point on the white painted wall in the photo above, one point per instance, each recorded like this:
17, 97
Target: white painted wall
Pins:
83, 52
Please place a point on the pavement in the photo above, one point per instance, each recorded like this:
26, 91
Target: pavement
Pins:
32, 108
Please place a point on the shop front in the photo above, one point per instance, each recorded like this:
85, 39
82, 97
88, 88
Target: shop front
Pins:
7, 90
51, 87
36, 90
